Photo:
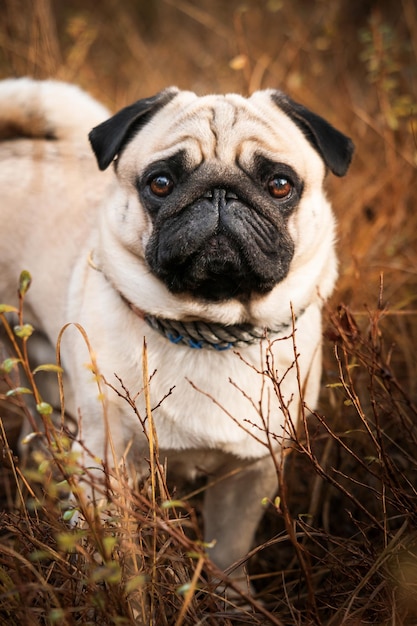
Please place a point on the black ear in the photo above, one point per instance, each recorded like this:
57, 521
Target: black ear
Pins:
108, 139
334, 147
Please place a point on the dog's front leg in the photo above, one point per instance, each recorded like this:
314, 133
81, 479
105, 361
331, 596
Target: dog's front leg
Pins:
233, 509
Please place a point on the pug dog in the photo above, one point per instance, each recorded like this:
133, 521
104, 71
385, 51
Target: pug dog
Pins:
205, 231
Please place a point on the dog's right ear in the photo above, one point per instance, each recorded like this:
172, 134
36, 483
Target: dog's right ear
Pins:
108, 139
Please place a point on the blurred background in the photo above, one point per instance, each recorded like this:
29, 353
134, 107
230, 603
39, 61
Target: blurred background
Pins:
354, 63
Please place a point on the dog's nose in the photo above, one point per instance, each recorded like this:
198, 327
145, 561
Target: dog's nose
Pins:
220, 196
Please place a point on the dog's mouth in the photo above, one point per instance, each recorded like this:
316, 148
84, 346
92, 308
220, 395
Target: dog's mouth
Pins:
219, 248
216, 271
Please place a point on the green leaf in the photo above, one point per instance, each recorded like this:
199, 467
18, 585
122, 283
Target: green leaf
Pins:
109, 573
372, 459
56, 616
44, 466
24, 331
24, 282
29, 438
63, 485
8, 365
44, 408
69, 514
170, 504
108, 544
39, 555
185, 588
18, 390
67, 542
135, 583
193, 555
6, 308
48, 367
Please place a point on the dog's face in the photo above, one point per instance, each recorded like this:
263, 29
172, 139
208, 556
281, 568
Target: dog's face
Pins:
223, 185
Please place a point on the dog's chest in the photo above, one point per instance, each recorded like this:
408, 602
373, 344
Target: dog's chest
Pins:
224, 401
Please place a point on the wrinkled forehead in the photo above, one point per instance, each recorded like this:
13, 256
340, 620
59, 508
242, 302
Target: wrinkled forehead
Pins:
226, 128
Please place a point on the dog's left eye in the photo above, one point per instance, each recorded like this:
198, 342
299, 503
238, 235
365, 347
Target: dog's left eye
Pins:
280, 187
161, 185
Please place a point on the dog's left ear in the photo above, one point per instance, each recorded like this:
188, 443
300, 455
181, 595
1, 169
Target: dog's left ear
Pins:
334, 147
108, 139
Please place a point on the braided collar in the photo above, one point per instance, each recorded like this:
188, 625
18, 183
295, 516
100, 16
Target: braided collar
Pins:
198, 334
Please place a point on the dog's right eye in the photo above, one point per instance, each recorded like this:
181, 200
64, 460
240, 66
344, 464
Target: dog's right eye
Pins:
161, 185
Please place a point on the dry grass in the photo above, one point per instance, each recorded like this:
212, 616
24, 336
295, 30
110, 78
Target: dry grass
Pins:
340, 545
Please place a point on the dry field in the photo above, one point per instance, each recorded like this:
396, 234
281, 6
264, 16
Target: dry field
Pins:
339, 546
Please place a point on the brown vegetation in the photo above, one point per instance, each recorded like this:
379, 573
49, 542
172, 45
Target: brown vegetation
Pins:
339, 546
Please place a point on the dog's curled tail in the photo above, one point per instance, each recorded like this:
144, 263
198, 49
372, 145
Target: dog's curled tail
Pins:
47, 109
